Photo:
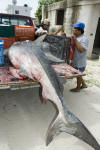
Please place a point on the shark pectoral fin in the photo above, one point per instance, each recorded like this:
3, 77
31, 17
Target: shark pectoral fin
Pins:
43, 95
56, 128
44, 99
53, 59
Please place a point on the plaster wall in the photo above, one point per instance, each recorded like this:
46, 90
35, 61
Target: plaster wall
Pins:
26, 11
87, 11
89, 14
52, 17
92, 22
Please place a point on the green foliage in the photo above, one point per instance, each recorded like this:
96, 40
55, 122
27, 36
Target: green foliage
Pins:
39, 10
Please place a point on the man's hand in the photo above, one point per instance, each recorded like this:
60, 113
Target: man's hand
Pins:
57, 31
78, 45
74, 36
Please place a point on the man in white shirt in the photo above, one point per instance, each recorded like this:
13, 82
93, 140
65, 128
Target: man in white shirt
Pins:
44, 29
80, 55
45, 24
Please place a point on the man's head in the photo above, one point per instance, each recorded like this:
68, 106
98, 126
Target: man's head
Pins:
45, 24
78, 28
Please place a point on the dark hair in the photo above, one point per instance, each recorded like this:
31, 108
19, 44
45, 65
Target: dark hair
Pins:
78, 28
82, 31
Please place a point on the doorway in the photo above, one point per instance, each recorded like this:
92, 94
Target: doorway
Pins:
96, 47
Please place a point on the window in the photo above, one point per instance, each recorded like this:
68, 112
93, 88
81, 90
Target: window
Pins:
27, 22
14, 21
5, 21
16, 11
24, 22
60, 17
0, 20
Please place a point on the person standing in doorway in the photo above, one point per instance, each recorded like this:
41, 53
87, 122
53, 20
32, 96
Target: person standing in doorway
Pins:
80, 55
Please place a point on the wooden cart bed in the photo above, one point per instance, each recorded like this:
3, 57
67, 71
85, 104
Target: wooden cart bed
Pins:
7, 81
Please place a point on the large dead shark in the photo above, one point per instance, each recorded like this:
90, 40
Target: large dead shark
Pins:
33, 63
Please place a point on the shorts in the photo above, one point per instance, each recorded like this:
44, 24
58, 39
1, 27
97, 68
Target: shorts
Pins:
80, 69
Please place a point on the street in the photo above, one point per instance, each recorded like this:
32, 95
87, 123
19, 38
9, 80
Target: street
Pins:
24, 120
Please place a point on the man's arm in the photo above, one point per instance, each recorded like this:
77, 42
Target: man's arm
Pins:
78, 45
57, 31
40, 32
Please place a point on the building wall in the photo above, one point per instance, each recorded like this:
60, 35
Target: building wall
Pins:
26, 11
87, 11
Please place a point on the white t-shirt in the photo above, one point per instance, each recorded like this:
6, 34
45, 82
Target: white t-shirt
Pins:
80, 58
40, 30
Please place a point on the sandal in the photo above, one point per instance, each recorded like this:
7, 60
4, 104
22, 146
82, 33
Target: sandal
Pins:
83, 87
75, 90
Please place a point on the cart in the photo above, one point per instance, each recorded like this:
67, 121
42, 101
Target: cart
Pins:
7, 81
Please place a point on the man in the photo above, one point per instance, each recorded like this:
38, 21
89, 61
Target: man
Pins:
44, 29
79, 61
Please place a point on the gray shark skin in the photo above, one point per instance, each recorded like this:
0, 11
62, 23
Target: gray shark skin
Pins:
45, 47
33, 63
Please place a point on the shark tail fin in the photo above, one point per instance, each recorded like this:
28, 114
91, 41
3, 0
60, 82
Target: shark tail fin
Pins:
56, 127
72, 126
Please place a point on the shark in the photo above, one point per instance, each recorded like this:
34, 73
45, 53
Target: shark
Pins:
31, 62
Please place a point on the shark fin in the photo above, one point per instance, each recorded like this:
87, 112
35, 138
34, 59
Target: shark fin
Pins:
72, 126
56, 128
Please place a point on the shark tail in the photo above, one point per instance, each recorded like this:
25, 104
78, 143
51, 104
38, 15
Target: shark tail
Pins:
72, 126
